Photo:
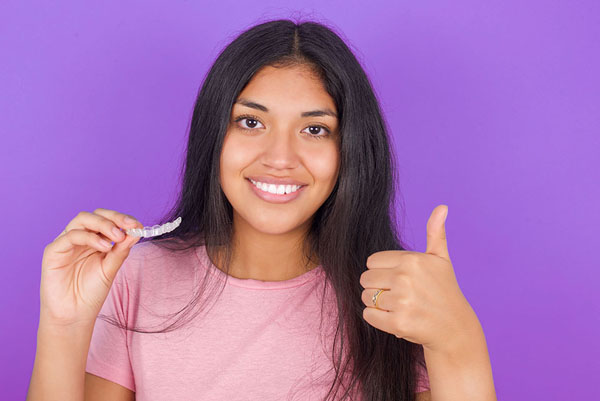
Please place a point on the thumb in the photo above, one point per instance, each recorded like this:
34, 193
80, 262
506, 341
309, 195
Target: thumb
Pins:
119, 252
436, 232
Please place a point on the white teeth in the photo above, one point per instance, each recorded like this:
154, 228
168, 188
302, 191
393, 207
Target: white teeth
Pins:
276, 189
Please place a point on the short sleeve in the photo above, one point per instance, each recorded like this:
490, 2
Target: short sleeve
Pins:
422, 378
108, 356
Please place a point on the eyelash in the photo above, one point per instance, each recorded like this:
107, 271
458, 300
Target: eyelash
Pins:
251, 117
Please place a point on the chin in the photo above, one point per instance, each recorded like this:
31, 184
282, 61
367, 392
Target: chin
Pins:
274, 229
269, 223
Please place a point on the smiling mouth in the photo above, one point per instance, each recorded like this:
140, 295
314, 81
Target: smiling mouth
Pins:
280, 197
280, 189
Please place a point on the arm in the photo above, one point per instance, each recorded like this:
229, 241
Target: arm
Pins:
463, 372
99, 389
59, 367
423, 304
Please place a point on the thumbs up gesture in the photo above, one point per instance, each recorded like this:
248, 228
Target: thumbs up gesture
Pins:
421, 300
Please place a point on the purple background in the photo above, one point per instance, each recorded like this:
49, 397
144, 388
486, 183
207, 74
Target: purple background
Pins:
493, 108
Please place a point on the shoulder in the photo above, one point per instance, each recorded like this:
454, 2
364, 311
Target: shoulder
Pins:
153, 271
147, 260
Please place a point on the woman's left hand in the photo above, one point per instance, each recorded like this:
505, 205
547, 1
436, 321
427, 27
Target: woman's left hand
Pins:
422, 302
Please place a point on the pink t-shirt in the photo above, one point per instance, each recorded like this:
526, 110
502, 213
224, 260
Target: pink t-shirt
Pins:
260, 340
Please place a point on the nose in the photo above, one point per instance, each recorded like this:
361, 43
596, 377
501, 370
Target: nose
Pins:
280, 150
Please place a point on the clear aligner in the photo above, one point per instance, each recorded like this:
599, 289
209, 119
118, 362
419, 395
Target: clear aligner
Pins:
155, 230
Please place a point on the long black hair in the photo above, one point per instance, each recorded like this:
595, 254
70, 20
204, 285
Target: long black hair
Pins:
356, 220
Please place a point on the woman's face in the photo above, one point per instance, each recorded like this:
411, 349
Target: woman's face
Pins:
278, 142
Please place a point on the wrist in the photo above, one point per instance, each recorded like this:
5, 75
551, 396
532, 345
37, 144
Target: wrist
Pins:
55, 327
461, 370
469, 338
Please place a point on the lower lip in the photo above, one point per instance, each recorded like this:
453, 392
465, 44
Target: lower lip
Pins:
274, 198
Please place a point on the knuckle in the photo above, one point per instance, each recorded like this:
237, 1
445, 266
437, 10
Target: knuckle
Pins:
406, 304
397, 303
411, 264
362, 280
402, 281
84, 214
94, 238
398, 280
366, 298
402, 304
393, 302
412, 257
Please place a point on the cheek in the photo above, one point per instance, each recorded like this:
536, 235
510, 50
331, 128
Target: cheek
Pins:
321, 160
324, 164
234, 157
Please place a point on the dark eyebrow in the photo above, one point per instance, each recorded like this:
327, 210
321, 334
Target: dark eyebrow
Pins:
312, 113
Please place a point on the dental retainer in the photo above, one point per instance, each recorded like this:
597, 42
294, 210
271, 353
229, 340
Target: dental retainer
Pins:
154, 231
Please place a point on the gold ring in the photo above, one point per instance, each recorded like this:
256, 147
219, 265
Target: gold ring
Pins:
376, 295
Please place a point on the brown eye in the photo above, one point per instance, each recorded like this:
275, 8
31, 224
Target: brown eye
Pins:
322, 131
316, 131
250, 123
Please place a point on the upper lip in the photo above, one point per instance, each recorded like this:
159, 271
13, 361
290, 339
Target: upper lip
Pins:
275, 180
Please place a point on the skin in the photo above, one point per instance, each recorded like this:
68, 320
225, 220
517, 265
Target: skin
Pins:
425, 305
268, 237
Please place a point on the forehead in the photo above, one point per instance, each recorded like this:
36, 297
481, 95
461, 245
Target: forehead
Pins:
287, 88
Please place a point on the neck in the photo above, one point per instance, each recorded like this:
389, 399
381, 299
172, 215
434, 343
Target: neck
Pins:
266, 257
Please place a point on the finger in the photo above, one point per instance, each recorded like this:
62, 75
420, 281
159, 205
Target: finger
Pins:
124, 222
120, 251
382, 299
115, 258
384, 259
79, 237
381, 320
107, 222
437, 243
120, 219
378, 278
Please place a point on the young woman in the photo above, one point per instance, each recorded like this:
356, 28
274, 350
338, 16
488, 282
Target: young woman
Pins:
286, 278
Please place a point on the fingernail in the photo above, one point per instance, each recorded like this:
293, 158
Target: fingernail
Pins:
129, 220
118, 233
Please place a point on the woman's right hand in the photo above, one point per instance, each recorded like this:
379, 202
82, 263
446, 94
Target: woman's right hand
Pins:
78, 271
